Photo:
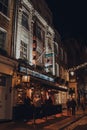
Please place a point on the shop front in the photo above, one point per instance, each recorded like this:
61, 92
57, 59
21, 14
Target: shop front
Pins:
40, 91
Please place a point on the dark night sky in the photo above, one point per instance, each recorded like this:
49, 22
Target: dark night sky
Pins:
70, 18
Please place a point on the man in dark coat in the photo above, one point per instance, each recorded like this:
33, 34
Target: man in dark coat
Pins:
73, 106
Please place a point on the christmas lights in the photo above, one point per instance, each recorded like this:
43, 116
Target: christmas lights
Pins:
77, 67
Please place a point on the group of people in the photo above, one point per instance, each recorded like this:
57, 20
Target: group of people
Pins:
71, 106
37, 105
71, 103
37, 101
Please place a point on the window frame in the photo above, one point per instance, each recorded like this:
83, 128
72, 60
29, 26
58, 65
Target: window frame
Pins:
24, 21
4, 7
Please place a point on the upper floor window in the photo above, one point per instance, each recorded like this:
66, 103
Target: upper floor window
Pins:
25, 20
38, 32
2, 39
23, 50
4, 6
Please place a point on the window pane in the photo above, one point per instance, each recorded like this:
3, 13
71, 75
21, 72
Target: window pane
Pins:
0, 7
38, 32
25, 20
5, 10
6, 2
2, 39
4, 6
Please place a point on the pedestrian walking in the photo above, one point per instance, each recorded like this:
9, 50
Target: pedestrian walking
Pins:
68, 104
82, 103
73, 106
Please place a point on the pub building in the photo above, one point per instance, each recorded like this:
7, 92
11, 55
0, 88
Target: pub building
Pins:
36, 86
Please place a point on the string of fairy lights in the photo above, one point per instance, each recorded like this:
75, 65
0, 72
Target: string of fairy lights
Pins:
77, 67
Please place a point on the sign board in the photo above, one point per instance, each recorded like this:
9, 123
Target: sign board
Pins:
35, 74
49, 60
48, 55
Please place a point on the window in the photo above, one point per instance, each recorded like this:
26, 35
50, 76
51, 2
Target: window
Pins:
25, 20
23, 50
2, 39
4, 6
2, 80
38, 32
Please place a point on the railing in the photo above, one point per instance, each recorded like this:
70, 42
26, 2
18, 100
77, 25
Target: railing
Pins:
22, 112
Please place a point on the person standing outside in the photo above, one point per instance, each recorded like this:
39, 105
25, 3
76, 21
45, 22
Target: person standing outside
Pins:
73, 106
82, 103
68, 104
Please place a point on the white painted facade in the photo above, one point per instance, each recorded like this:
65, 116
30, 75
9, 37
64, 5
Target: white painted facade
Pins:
27, 35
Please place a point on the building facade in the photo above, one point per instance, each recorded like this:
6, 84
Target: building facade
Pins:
7, 64
33, 61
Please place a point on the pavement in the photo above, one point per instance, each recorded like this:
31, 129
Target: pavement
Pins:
82, 127
56, 122
81, 124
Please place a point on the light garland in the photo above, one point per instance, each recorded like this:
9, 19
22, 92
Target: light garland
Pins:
77, 67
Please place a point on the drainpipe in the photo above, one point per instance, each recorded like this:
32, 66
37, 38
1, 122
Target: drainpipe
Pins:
14, 28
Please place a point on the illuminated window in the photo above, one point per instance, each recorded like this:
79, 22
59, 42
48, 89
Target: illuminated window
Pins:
4, 6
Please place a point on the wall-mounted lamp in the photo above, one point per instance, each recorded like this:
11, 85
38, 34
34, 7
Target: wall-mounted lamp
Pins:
72, 73
25, 79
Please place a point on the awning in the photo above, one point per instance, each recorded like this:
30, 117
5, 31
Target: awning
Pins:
47, 84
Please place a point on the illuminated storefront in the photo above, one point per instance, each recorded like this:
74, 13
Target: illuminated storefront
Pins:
30, 81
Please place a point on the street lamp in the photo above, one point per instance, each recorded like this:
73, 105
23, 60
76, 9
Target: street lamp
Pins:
72, 73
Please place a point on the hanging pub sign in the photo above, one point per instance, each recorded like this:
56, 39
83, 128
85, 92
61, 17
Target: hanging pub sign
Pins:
22, 69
